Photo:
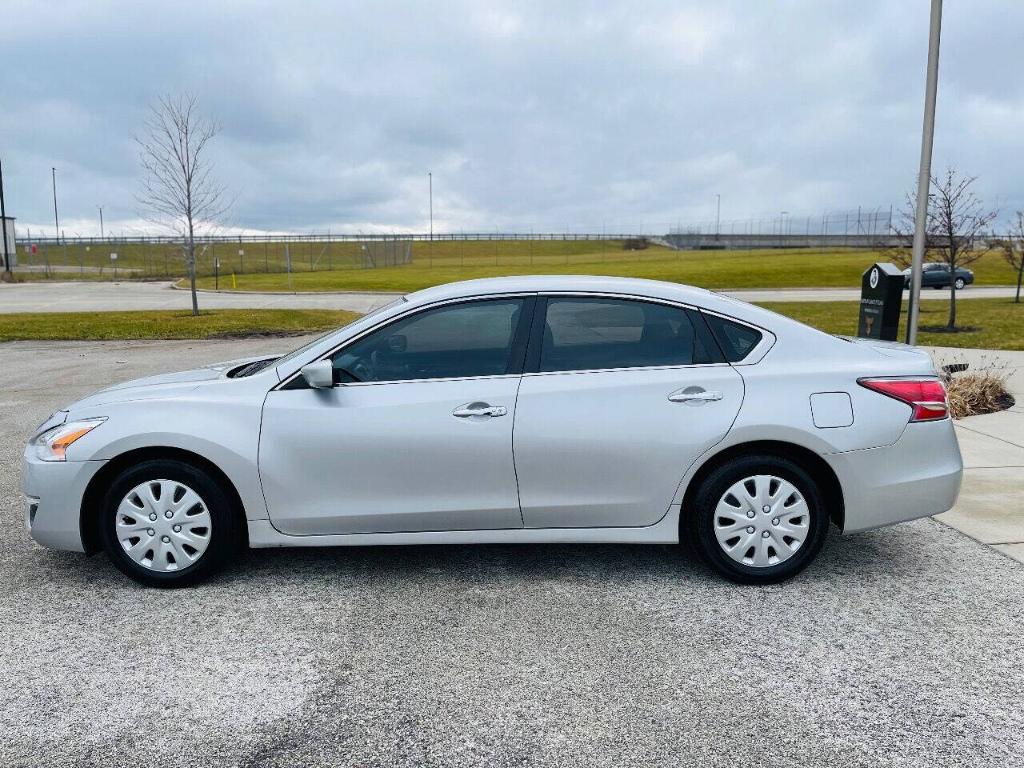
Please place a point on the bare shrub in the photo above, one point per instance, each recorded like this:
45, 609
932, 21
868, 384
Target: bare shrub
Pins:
980, 389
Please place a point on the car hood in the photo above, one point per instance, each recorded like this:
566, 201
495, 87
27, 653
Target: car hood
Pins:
161, 385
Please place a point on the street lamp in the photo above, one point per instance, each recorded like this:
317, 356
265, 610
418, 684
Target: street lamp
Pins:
101, 222
56, 222
925, 170
3, 225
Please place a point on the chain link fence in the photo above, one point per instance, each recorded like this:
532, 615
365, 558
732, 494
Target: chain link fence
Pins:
165, 257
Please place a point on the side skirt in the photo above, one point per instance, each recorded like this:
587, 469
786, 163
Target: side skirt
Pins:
666, 531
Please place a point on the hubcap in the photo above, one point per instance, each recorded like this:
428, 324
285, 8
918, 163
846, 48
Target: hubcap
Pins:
761, 521
163, 525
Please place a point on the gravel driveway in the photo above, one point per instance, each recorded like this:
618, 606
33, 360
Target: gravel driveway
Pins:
897, 647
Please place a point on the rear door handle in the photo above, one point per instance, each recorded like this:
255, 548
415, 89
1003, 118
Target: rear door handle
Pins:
694, 394
479, 409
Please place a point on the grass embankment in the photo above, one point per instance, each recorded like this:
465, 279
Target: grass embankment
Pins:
992, 323
709, 269
169, 324
343, 265
987, 323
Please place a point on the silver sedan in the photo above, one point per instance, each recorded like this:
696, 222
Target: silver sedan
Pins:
510, 410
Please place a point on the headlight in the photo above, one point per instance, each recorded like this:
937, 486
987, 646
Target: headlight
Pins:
52, 444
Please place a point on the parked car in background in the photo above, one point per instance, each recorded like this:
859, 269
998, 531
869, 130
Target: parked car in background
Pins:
935, 275
643, 412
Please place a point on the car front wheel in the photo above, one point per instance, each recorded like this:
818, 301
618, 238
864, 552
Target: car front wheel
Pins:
758, 519
959, 283
166, 523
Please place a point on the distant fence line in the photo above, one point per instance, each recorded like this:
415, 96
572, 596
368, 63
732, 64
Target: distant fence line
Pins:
164, 257
861, 222
738, 242
324, 238
853, 222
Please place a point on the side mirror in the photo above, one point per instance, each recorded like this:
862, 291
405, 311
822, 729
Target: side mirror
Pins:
319, 375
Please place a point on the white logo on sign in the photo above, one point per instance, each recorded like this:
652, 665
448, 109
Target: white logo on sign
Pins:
873, 280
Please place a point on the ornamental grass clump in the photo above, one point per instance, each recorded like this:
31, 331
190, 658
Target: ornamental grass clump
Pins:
978, 389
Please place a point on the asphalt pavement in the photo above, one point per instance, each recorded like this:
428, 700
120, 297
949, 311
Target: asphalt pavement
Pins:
898, 647
107, 296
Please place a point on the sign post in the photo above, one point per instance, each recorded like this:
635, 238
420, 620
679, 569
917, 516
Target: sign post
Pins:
113, 258
881, 299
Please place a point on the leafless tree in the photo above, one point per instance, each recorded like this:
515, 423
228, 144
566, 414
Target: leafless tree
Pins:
1013, 250
955, 231
179, 189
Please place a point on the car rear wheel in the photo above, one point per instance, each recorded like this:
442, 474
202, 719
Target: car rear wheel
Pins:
166, 523
758, 519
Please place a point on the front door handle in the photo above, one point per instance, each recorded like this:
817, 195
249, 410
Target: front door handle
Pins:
694, 395
479, 409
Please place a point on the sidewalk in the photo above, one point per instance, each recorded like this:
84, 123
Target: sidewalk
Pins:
991, 504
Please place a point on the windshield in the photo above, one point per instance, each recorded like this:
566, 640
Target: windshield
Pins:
296, 352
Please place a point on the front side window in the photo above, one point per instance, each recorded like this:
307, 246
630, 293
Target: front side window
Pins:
455, 341
597, 333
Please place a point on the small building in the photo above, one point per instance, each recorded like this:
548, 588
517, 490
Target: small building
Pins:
12, 250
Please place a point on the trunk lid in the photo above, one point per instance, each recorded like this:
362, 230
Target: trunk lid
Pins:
917, 360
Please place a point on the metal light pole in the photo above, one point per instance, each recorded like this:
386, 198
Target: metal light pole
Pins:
430, 194
101, 222
718, 215
3, 225
925, 172
56, 222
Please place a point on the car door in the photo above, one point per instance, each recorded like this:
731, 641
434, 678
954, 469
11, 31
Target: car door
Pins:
619, 397
937, 276
415, 436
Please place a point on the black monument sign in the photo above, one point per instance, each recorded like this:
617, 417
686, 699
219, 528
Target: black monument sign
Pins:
881, 297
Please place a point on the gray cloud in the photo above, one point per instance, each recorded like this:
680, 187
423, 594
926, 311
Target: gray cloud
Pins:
530, 115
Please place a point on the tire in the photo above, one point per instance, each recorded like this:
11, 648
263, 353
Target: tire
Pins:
960, 283
749, 559
190, 536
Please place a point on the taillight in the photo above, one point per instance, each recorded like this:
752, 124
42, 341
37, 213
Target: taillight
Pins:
926, 396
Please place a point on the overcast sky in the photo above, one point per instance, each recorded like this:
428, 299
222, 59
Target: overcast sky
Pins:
531, 115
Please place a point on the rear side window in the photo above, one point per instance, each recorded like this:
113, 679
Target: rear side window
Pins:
593, 334
735, 339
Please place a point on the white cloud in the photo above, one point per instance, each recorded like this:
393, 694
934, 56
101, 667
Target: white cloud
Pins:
683, 36
530, 114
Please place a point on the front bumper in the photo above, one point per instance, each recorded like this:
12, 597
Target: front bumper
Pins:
917, 476
53, 499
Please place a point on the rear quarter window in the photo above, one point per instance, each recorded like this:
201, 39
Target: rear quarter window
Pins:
735, 339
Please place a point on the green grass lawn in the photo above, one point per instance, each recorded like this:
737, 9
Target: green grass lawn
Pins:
995, 323
340, 265
709, 269
169, 324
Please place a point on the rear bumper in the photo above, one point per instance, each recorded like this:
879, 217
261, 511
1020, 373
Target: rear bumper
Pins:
917, 476
53, 500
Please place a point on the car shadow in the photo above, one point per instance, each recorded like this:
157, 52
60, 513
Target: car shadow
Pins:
859, 555
885, 552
